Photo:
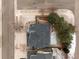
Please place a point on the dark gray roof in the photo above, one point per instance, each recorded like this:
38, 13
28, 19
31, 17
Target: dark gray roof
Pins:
41, 56
39, 36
